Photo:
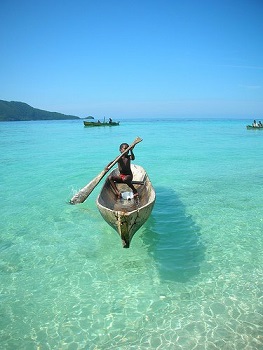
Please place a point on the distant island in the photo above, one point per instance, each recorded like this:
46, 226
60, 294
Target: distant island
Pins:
20, 111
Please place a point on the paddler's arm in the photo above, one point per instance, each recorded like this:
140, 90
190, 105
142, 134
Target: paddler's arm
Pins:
132, 154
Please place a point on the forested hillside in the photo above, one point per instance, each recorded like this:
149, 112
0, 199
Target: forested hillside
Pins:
20, 111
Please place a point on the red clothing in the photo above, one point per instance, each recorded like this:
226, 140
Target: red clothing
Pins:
122, 176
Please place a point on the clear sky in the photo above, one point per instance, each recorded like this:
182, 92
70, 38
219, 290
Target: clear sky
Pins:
134, 58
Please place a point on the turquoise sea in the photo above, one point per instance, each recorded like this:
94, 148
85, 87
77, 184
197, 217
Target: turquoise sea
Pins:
193, 276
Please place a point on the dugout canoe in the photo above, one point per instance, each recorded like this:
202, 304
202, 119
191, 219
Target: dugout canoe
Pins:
128, 214
91, 124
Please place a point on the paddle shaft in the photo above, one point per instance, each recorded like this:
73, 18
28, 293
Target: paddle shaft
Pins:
83, 194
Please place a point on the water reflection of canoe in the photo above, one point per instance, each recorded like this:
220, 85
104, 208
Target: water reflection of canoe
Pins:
254, 127
86, 123
128, 214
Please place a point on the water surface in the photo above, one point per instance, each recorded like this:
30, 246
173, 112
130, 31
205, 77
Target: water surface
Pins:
192, 278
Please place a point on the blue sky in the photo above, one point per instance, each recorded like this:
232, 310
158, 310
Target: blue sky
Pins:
134, 58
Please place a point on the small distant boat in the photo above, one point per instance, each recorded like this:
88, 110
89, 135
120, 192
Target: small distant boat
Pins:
91, 124
128, 214
254, 127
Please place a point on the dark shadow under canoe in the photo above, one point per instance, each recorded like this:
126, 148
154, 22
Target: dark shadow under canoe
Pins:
174, 239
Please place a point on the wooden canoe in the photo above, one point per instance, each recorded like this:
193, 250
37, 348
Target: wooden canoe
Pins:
100, 124
126, 216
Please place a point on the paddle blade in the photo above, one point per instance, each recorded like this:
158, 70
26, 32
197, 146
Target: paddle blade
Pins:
83, 194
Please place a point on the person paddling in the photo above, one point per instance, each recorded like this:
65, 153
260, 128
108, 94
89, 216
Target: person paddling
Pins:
125, 176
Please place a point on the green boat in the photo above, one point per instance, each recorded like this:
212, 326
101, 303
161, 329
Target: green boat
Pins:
249, 127
92, 124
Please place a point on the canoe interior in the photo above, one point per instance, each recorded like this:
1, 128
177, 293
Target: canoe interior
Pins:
108, 199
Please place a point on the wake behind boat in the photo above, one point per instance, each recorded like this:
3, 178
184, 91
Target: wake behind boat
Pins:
128, 214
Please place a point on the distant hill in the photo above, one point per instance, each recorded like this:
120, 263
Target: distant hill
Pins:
20, 111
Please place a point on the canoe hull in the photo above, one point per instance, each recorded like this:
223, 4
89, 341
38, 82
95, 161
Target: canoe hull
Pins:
127, 216
92, 124
250, 127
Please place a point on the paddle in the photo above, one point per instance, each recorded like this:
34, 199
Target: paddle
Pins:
83, 194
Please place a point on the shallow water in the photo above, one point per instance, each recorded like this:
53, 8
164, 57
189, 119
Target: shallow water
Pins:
192, 278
